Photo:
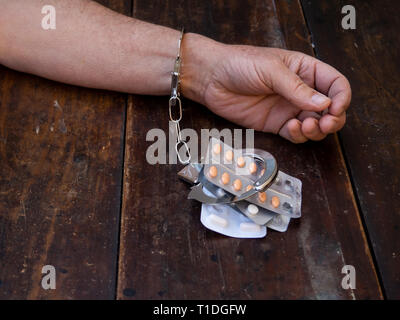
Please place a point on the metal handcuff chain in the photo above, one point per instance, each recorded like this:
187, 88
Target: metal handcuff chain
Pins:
175, 102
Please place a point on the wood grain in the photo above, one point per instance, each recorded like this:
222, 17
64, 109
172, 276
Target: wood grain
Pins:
370, 57
165, 252
60, 186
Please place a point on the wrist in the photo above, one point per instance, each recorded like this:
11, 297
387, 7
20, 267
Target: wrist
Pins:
200, 55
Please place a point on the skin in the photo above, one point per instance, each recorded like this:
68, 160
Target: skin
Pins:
268, 89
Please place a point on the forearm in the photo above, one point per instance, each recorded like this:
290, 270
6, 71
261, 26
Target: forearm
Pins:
93, 46
267, 89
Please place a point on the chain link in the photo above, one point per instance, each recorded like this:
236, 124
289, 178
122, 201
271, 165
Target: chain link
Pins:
172, 103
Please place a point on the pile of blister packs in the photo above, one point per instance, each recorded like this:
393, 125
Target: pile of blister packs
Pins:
242, 191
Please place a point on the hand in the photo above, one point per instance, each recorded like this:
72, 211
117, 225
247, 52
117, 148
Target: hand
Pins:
267, 89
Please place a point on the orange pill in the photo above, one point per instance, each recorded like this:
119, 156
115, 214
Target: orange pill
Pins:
225, 178
275, 202
241, 162
249, 187
217, 148
262, 197
262, 172
229, 155
253, 168
212, 172
237, 184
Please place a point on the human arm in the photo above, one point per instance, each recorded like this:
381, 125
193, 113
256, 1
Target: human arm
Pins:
266, 89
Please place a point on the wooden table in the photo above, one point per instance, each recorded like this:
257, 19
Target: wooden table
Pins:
77, 193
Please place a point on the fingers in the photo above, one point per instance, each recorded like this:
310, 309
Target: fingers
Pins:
291, 131
311, 129
333, 84
340, 93
289, 85
316, 130
308, 114
330, 124
324, 78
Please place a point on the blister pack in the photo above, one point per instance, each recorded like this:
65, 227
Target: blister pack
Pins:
242, 191
226, 220
236, 172
279, 223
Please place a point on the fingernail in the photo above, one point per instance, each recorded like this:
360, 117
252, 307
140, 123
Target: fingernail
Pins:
319, 100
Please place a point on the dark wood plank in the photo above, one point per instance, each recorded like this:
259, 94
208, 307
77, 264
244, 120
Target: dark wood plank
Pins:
297, 37
60, 186
370, 57
166, 253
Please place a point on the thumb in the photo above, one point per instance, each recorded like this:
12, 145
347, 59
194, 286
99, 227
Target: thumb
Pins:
290, 86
